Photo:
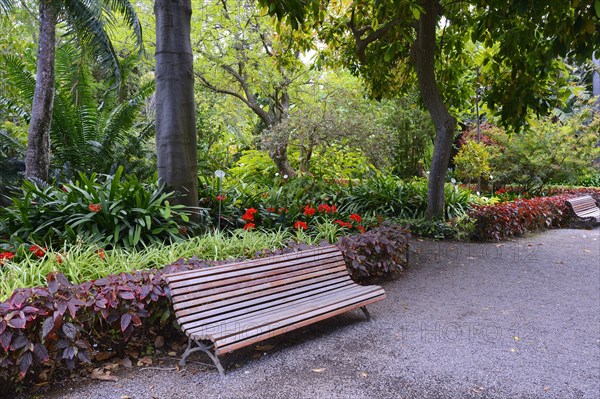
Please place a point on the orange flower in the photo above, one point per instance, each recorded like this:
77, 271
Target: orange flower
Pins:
95, 207
37, 250
101, 254
356, 217
300, 225
6, 255
309, 210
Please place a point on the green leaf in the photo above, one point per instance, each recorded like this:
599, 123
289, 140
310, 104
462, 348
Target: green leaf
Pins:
597, 7
389, 54
415, 12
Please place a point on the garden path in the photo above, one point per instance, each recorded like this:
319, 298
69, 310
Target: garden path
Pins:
518, 319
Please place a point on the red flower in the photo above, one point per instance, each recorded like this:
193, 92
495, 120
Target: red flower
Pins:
221, 197
183, 230
37, 250
361, 229
309, 210
249, 226
356, 217
341, 223
300, 225
65, 189
95, 207
324, 208
283, 210
59, 258
6, 255
101, 254
271, 209
333, 209
249, 215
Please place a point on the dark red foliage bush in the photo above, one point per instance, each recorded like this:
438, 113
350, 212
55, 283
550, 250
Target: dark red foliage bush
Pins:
46, 326
377, 252
506, 219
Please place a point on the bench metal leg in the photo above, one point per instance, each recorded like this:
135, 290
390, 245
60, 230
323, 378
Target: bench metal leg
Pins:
200, 346
366, 312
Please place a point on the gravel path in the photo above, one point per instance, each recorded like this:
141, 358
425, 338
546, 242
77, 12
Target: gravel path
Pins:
519, 319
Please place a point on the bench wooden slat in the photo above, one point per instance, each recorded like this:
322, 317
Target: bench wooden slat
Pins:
234, 275
180, 301
202, 304
318, 253
282, 313
251, 279
197, 323
265, 308
299, 321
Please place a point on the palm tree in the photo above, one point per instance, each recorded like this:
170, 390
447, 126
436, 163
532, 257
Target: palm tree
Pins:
85, 20
86, 137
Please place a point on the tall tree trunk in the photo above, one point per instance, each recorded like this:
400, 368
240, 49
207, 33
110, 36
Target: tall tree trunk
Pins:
37, 159
176, 148
596, 80
423, 57
278, 150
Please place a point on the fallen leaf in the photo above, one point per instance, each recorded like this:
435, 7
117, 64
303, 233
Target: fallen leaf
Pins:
172, 353
587, 250
100, 374
125, 397
513, 350
126, 362
264, 348
363, 374
516, 338
159, 342
145, 361
102, 356
318, 370
471, 257
111, 366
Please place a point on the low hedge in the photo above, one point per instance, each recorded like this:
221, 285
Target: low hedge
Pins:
57, 325
507, 219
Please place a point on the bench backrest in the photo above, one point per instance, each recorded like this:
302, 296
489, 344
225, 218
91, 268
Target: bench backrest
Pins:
584, 203
205, 296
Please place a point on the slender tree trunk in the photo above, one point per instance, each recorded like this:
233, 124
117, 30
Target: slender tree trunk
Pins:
37, 159
175, 112
423, 57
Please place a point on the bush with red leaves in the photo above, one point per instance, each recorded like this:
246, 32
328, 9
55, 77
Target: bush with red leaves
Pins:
507, 219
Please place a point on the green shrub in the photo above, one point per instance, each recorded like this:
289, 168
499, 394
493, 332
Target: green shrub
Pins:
106, 210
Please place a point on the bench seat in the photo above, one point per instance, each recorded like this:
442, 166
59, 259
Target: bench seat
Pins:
228, 307
585, 208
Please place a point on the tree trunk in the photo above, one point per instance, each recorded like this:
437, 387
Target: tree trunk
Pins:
175, 112
596, 80
37, 159
423, 57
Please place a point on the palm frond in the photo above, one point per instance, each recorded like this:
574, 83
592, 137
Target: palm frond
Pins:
6, 6
125, 8
85, 21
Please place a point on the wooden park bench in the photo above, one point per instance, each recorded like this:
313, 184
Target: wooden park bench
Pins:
224, 308
585, 208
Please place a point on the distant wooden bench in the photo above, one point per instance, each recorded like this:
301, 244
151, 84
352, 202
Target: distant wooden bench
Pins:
224, 308
585, 208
